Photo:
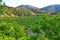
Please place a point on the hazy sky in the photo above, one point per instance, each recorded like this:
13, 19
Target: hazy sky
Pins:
37, 3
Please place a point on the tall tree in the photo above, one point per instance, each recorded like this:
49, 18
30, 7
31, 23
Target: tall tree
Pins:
0, 2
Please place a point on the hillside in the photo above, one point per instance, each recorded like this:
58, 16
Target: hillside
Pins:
32, 8
10, 11
52, 8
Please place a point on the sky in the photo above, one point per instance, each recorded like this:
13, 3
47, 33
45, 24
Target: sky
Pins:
36, 3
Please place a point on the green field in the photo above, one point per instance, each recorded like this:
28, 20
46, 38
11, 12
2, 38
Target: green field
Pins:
43, 27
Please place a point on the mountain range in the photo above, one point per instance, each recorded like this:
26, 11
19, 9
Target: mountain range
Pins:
27, 10
32, 8
27, 6
50, 8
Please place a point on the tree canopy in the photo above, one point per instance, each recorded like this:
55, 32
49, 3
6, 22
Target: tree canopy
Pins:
0, 0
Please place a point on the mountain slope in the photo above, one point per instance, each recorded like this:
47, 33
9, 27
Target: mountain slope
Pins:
52, 8
32, 8
10, 11
27, 6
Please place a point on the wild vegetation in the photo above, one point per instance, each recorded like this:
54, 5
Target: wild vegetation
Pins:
23, 24
43, 27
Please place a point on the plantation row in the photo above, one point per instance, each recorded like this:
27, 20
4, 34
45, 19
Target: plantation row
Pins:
43, 27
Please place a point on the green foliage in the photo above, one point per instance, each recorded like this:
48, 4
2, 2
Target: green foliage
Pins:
43, 27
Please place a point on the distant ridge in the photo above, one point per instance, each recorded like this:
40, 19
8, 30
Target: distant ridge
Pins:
32, 8
28, 6
54, 8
